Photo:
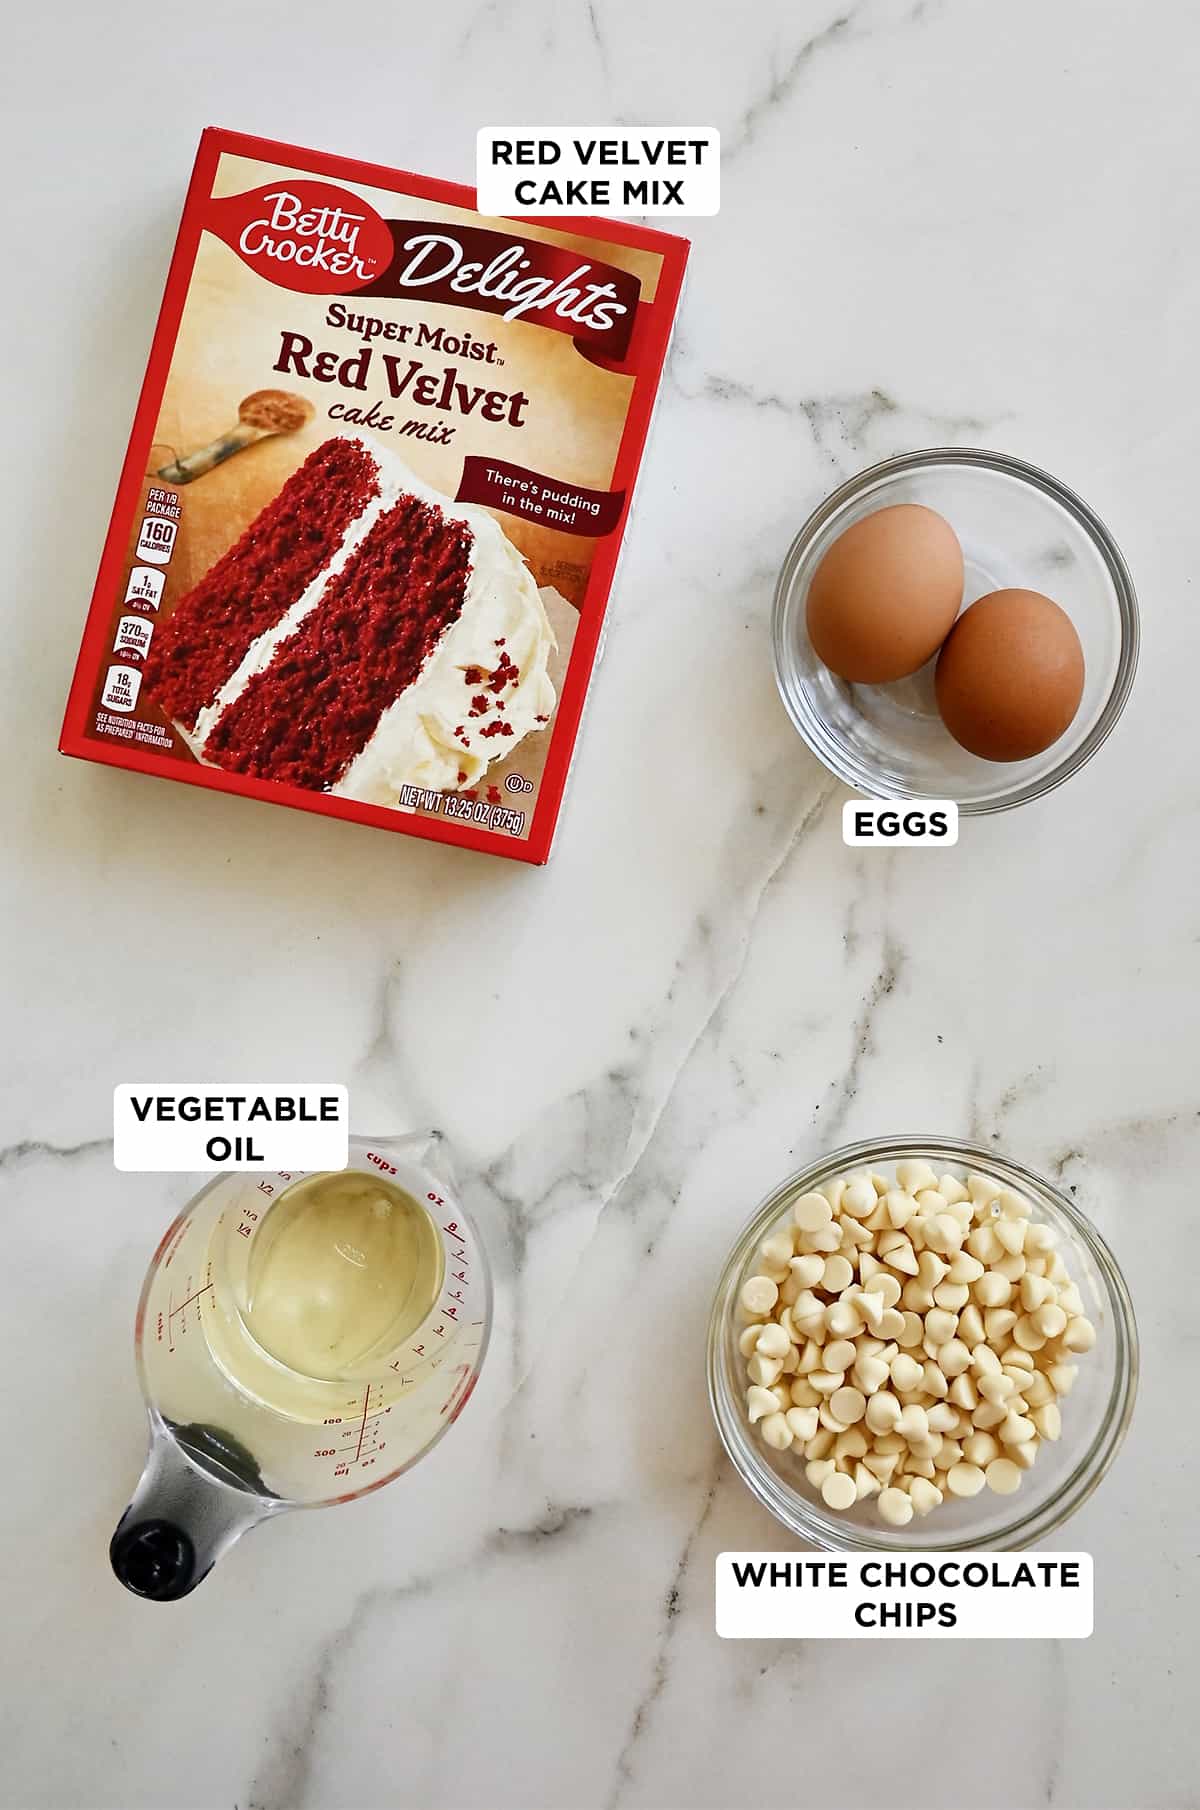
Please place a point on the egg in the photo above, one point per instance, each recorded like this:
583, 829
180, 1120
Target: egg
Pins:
1010, 677
884, 596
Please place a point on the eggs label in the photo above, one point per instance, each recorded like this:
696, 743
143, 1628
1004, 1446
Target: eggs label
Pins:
882, 823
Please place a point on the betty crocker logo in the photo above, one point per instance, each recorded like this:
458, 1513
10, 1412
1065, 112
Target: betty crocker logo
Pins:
305, 235
323, 240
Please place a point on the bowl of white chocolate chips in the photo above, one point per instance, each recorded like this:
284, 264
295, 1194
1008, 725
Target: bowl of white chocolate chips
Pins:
919, 1344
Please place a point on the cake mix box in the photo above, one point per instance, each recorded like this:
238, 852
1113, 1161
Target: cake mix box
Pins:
371, 508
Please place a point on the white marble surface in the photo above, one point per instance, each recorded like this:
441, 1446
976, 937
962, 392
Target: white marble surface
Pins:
941, 221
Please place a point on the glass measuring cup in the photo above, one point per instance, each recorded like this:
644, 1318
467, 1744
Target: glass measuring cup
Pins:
276, 1373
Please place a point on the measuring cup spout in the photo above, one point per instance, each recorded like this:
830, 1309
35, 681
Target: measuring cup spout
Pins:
200, 1491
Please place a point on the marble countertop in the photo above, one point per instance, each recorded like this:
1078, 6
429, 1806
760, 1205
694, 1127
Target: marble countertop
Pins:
942, 221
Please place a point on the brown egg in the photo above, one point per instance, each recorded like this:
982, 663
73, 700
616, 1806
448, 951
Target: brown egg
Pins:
1010, 676
883, 599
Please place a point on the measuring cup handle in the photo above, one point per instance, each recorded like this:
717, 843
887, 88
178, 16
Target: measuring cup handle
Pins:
196, 1497
153, 1558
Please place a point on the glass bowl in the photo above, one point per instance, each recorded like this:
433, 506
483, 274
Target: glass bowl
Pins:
1094, 1416
1018, 527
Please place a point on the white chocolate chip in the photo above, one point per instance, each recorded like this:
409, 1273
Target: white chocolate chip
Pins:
965, 1480
924, 1495
1048, 1421
773, 1341
838, 1275
759, 1295
1016, 1429
838, 1491
882, 1412
859, 1199
849, 1446
776, 1432
843, 1319
963, 1392
1062, 1377
839, 1354
869, 1374
940, 1326
803, 1422
980, 1449
848, 1404
866, 1483
895, 1507
913, 1424
1003, 1476
1035, 1291
759, 1401
764, 1370
899, 1207
808, 1269
1050, 1320
811, 1212
913, 1174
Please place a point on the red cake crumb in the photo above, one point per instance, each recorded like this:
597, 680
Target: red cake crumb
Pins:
493, 795
497, 728
317, 704
505, 674
251, 587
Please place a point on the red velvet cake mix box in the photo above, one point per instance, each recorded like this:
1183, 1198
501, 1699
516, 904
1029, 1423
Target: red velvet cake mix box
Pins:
371, 508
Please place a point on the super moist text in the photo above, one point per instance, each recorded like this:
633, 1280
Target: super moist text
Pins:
441, 387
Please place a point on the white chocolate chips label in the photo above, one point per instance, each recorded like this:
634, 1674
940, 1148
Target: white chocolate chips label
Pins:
905, 1596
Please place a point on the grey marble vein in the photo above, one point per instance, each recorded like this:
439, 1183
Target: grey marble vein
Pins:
656, 1684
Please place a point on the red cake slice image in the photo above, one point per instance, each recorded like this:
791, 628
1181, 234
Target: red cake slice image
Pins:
252, 585
364, 633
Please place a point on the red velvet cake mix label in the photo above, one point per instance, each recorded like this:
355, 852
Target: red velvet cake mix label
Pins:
372, 504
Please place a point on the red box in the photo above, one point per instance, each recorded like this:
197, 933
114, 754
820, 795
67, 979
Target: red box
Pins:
374, 495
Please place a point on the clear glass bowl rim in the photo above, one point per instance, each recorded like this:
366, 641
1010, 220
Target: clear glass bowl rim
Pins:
787, 1505
831, 752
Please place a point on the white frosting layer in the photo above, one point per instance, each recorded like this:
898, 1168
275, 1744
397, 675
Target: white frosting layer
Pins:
414, 742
